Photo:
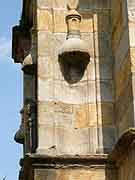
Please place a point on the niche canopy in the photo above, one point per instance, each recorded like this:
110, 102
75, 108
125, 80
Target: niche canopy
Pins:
74, 50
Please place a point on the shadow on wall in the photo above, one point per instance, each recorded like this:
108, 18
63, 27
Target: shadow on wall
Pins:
114, 83
113, 78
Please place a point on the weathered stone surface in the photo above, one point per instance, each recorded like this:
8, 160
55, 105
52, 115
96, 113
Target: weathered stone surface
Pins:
132, 56
88, 38
44, 4
70, 174
101, 22
82, 118
103, 4
105, 91
117, 23
85, 116
105, 114
45, 67
102, 44
29, 86
122, 51
45, 20
83, 92
45, 43
124, 104
59, 21
132, 36
60, 3
107, 138
57, 140
87, 22
73, 4
130, 4
104, 70
122, 77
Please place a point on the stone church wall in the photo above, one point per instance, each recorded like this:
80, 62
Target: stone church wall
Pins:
75, 130
75, 118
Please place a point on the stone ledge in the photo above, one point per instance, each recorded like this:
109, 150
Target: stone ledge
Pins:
84, 162
123, 145
66, 161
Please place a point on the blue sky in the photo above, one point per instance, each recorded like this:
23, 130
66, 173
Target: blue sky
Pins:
10, 92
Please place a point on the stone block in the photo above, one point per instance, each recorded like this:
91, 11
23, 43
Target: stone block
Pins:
105, 114
116, 13
71, 174
44, 20
61, 4
85, 115
86, 24
57, 136
132, 56
41, 174
122, 50
117, 24
60, 25
105, 91
81, 92
89, 39
46, 140
130, 3
126, 120
125, 14
45, 67
44, 3
123, 76
132, 36
45, 43
57, 70
107, 138
123, 104
45, 90
102, 44
59, 39
55, 114
92, 5
104, 70
71, 141
131, 15
101, 21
